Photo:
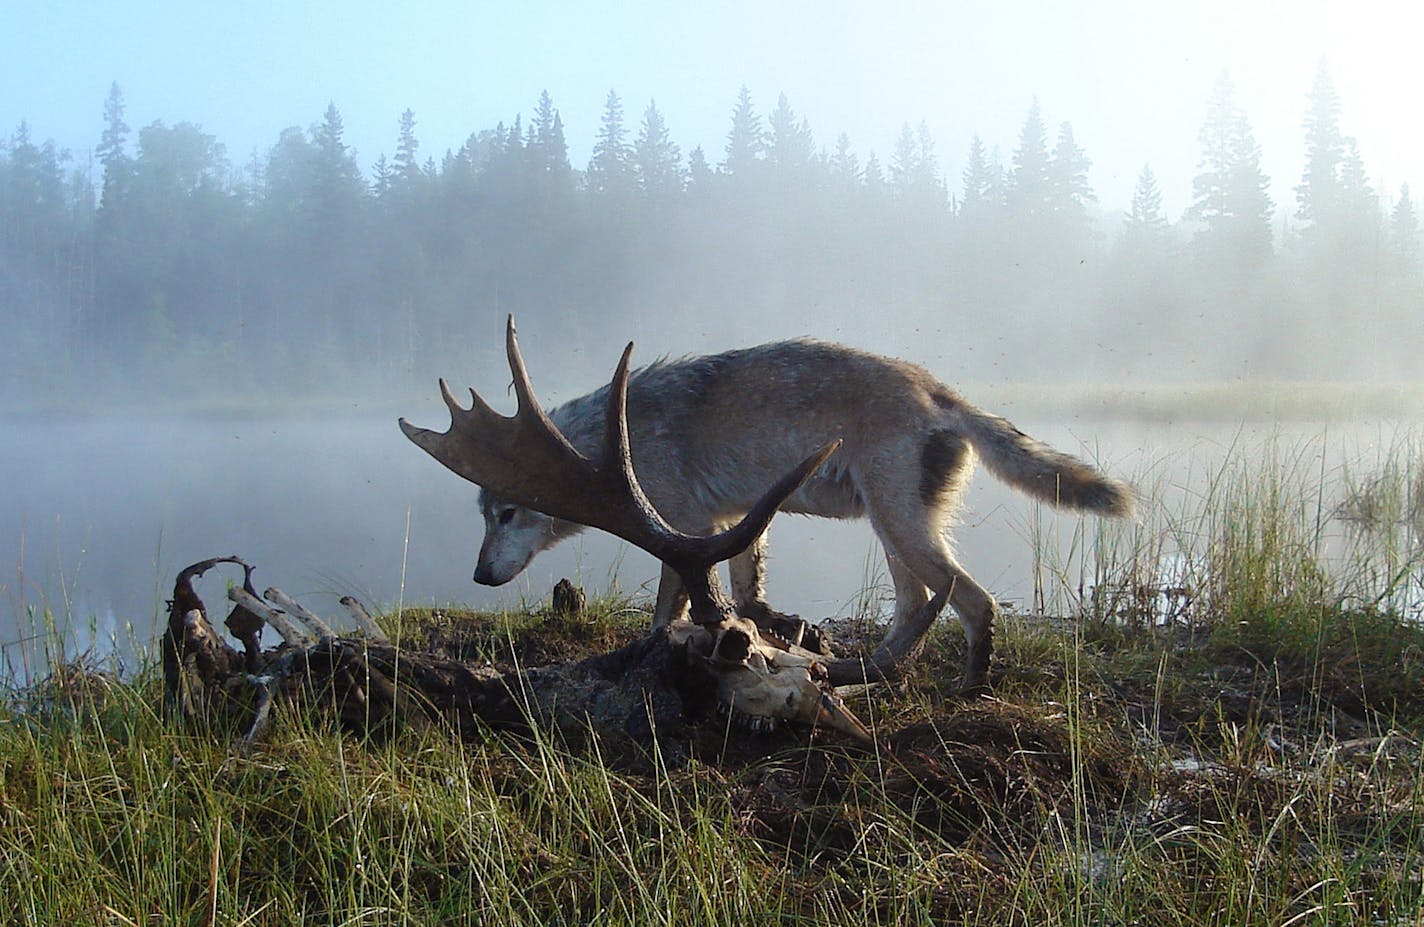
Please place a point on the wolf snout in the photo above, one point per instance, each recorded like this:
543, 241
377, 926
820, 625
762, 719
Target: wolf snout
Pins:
485, 576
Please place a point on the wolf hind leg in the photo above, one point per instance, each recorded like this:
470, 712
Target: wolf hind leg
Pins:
920, 558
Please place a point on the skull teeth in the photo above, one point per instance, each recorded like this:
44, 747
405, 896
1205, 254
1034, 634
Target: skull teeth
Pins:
755, 724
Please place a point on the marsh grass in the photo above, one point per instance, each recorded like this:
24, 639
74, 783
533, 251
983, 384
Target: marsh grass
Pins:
1245, 751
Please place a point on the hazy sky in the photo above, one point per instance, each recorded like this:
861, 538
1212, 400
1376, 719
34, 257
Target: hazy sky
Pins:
1132, 76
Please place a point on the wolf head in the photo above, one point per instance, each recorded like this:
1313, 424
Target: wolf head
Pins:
513, 535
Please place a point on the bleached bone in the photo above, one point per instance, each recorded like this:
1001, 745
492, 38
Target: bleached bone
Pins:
760, 683
294, 608
363, 618
290, 630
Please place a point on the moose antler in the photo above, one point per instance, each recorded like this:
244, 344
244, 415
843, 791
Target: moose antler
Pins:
527, 459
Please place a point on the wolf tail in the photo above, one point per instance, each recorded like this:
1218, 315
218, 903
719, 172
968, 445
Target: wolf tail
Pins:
1035, 468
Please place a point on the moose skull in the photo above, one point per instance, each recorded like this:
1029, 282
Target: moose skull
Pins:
761, 680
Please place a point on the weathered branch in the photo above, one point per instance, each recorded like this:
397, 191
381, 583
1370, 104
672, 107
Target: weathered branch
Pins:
295, 609
290, 631
637, 699
363, 618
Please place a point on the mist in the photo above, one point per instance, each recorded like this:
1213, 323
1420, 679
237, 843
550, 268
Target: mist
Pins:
206, 354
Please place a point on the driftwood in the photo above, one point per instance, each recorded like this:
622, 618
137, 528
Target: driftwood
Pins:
639, 698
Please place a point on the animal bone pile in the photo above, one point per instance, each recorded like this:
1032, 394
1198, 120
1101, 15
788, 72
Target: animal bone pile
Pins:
640, 696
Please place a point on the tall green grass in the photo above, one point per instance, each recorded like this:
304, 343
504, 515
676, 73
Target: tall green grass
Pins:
1246, 752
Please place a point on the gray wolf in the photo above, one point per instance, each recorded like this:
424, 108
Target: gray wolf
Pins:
709, 434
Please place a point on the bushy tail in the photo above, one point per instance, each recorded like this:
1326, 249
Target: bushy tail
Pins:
1036, 468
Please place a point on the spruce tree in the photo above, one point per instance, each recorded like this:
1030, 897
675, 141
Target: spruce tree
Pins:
657, 161
926, 181
844, 166
407, 167
111, 153
789, 143
699, 172
873, 177
978, 191
1404, 235
1069, 189
548, 149
745, 140
1317, 196
904, 161
610, 169
1230, 191
1146, 234
335, 189
1030, 191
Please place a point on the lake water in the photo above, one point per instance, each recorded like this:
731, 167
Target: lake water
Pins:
97, 517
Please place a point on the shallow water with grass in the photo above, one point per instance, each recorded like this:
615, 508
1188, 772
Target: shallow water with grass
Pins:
1215, 716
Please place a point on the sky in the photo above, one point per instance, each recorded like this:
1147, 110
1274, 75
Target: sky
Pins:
1132, 76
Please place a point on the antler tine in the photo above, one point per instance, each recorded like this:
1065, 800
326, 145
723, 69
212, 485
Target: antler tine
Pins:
526, 403
477, 405
618, 462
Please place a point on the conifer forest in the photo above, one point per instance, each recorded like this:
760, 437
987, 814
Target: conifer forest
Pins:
156, 262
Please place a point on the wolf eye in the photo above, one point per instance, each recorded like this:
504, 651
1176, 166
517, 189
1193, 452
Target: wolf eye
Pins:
506, 516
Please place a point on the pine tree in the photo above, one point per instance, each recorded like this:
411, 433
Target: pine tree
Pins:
1068, 178
926, 180
904, 161
336, 187
382, 177
610, 169
979, 182
1030, 190
1146, 232
1358, 204
1230, 192
789, 143
873, 177
844, 166
111, 151
745, 140
559, 147
699, 172
1404, 235
1318, 194
407, 167
657, 161
548, 150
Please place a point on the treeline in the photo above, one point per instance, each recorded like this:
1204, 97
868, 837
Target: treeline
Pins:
159, 263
